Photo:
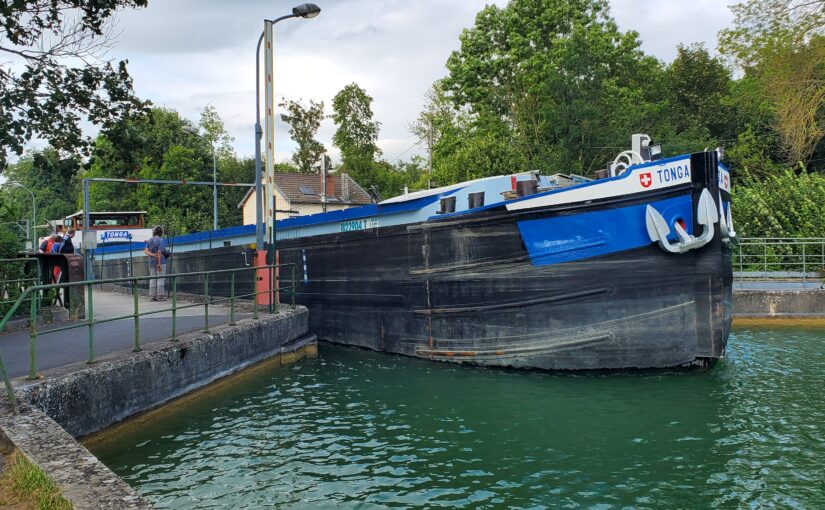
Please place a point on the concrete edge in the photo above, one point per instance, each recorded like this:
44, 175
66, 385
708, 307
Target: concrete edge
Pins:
58, 390
305, 347
82, 478
784, 303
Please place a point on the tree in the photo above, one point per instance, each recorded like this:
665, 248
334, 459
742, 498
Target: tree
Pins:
214, 132
357, 131
782, 44
156, 147
763, 27
561, 77
696, 85
53, 180
54, 71
304, 122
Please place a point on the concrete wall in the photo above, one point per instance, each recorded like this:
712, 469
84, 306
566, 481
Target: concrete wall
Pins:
779, 303
85, 399
83, 479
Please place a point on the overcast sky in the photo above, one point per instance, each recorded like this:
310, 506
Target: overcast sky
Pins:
184, 54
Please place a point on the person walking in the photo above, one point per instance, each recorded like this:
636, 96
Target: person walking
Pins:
157, 253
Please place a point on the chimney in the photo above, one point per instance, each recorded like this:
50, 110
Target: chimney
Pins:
345, 187
331, 186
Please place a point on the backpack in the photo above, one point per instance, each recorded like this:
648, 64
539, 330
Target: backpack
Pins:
58, 245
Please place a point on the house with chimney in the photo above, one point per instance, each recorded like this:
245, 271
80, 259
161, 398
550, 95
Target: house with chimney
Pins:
303, 194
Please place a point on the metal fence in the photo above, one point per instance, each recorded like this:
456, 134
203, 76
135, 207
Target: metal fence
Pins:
16, 275
794, 258
271, 272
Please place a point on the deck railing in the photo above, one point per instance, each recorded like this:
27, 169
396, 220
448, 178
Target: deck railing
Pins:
271, 272
780, 257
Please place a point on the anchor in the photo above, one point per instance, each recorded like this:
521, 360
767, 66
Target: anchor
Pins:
658, 229
726, 224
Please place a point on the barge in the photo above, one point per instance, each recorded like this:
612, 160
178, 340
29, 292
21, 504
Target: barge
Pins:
631, 270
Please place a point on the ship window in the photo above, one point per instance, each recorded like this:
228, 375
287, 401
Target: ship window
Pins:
306, 190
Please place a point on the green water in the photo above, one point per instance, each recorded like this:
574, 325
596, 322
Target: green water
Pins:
356, 429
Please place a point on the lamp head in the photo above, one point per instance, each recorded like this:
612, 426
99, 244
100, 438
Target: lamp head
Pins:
306, 11
191, 130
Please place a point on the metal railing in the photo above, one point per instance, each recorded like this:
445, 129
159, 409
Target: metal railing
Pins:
272, 272
780, 257
22, 277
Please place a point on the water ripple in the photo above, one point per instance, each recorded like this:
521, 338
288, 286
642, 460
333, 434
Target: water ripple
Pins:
355, 429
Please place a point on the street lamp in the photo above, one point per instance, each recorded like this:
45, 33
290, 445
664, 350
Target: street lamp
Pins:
34, 212
301, 11
194, 131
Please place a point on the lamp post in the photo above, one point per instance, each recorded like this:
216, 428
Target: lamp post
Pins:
194, 131
301, 11
34, 212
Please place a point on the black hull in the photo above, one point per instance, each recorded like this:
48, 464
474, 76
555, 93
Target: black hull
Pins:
468, 292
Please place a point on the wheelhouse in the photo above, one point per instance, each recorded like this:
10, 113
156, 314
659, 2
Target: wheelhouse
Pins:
107, 220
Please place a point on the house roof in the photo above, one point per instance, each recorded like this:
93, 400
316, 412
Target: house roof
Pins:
306, 189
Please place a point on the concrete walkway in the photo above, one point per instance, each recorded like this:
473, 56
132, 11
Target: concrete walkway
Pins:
64, 347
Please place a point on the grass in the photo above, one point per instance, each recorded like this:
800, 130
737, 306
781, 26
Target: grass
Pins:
25, 486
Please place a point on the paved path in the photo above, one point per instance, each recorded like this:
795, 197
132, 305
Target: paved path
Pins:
64, 347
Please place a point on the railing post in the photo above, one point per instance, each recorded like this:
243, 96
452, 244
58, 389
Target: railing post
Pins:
33, 339
804, 265
294, 284
765, 261
741, 249
255, 293
232, 298
174, 309
90, 312
206, 303
9, 389
276, 296
135, 296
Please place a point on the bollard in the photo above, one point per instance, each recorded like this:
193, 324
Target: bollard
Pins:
90, 311
232, 299
33, 340
206, 303
135, 296
174, 308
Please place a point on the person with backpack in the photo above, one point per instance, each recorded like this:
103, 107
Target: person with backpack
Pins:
46, 245
62, 245
157, 253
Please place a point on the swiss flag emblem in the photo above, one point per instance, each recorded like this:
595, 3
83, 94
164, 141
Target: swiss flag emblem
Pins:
645, 179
